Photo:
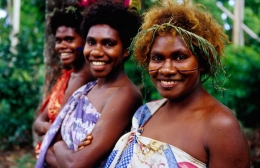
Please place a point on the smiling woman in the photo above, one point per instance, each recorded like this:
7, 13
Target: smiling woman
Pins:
67, 43
104, 51
104, 107
65, 28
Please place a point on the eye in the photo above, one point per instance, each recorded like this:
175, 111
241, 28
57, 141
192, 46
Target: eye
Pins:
69, 39
156, 58
58, 40
109, 43
180, 57
90, 42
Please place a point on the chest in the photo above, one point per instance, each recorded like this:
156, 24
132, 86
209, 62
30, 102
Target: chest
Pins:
99, 97
184, 132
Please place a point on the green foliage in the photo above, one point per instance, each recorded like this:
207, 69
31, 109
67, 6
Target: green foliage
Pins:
20, 80
3, 3
242, 66
142, 80
26, 161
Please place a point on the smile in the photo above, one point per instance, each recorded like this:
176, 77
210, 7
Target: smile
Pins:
169, 82
98, 63
64, 54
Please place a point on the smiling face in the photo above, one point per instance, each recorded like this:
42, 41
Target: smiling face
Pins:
67, 44
173, 68
104, 51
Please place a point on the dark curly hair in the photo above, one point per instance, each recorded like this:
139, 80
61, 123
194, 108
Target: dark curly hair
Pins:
69, 16
114, 14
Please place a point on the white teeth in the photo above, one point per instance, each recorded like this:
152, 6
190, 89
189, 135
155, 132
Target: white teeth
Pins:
64, 54
170, 82
98, 63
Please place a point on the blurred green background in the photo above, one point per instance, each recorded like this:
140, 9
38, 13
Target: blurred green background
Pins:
22, 74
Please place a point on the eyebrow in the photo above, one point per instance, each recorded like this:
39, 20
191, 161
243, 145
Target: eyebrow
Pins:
90, 37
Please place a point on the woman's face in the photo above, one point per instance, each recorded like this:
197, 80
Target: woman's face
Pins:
173, 68
104, 51
68, 44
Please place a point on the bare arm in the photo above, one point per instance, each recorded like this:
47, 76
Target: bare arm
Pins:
227, 145
41, 124
116, 115
50, 156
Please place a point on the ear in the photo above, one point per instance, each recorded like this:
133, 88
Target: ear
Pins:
126, 53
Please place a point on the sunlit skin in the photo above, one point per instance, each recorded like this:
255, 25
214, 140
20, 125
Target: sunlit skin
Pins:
191, 119
67, 44
104, 51
168, 55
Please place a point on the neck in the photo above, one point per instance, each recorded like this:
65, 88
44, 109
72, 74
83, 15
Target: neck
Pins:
79, 67
113, 79
190, 100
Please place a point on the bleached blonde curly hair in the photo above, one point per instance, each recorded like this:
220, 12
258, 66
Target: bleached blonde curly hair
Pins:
199, 30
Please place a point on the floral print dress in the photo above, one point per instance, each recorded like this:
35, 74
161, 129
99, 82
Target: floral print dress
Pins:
134, 150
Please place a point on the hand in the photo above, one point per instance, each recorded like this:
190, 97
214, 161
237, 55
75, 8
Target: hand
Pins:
46, 127
85, 142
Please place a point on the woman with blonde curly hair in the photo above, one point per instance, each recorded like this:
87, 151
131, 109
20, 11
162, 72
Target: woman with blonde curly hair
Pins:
180, 45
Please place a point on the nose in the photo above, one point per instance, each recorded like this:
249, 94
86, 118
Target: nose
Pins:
97, 52
61, 45
168, 68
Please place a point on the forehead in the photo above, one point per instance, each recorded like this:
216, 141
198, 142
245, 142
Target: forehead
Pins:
103, 31
63, 30
168, 42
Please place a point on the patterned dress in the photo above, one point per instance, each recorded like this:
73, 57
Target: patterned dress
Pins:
133, 150
77, 119
54, 100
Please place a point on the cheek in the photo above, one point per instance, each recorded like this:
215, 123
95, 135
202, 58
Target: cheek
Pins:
86, 51
154, 66
56, 47
75, 45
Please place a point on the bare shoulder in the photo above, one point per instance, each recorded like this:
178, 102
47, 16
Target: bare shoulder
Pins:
224, 138
127, 97
73, 84
129, 89
221, 117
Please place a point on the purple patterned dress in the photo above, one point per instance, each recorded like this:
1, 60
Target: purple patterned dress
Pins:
77, 119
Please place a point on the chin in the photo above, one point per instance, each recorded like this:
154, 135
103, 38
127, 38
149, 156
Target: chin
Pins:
169, 95
66, 62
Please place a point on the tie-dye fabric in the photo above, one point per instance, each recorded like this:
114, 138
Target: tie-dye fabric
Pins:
77, 118
133, 150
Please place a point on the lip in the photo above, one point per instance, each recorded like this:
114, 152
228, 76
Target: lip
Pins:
169, 83
98, 65
65, 55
